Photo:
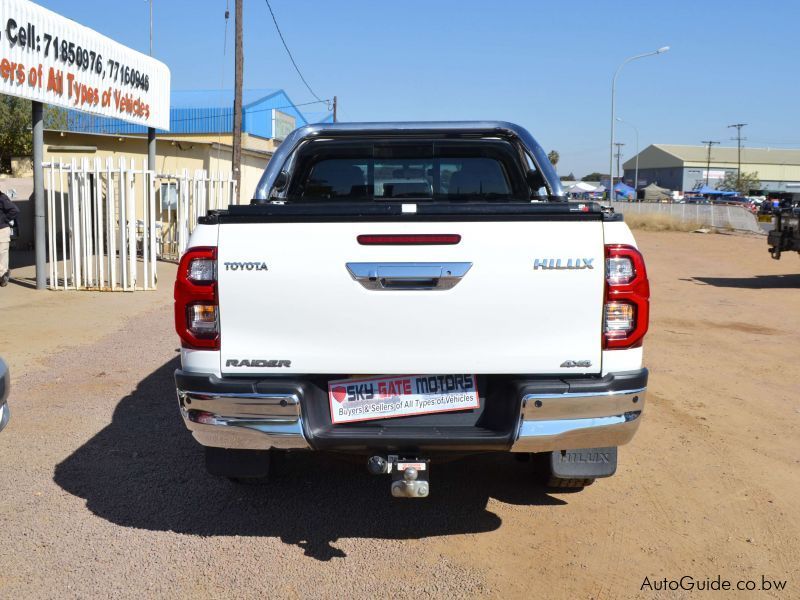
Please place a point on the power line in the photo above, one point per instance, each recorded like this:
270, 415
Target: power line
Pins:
289, 52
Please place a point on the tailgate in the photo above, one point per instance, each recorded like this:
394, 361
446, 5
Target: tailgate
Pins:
291, 300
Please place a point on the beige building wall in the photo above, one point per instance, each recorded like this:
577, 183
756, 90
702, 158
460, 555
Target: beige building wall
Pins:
173, 153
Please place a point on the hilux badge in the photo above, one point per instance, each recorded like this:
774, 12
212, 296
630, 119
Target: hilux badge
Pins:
563, 263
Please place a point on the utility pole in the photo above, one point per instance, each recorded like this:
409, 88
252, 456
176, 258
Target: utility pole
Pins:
151, 132
619, 146
738, 139
708, 143
334, 109
237, 103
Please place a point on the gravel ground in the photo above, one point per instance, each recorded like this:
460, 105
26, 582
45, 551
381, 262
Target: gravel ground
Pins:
104, 493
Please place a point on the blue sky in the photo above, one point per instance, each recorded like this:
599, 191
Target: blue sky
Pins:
545, 65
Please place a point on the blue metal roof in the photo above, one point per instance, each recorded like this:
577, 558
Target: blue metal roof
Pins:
208, 111
218, 98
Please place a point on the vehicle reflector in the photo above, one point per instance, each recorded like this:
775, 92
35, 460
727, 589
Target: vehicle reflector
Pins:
419, 239
626, 315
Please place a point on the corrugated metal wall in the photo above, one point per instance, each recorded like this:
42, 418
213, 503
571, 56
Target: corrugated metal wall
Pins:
182, 120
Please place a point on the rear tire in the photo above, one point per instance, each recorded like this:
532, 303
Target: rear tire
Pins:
241, 466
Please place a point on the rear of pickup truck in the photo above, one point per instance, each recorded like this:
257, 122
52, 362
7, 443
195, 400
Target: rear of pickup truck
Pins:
409, 295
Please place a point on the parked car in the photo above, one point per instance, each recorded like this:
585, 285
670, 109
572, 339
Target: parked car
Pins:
785, 235
5, 388
409, 292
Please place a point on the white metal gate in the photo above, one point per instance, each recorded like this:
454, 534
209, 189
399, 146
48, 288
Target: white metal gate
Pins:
193, 197
107, 225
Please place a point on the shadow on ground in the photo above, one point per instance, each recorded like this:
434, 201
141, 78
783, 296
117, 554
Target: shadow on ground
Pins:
144, 470
19, 259
759, 282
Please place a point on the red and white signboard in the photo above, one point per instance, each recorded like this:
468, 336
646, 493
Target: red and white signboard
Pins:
50, 59
354, 400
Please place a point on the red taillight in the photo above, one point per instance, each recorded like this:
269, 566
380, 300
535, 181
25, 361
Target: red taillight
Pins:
196, 303
418, 239
626, 314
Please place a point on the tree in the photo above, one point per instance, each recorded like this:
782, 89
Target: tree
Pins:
595, 176
553, 157
741, 184
15, 127
570, 177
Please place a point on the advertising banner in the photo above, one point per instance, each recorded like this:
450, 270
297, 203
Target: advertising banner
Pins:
53, 60
282, 124
354, 400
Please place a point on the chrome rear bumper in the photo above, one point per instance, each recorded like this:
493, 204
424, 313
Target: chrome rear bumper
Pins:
542, 416
570, 421
246, 421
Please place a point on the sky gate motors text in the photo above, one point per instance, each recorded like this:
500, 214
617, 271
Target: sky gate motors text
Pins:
433, 384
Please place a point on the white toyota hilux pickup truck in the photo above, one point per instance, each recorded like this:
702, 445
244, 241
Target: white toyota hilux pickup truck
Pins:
410, 292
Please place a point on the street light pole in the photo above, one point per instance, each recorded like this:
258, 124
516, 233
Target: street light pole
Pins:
613, 116
636, 172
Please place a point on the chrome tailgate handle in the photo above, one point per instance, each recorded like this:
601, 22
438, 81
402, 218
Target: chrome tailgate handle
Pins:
407, 275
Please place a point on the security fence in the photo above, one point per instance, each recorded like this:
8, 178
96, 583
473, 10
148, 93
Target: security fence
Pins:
705, 215
108, 224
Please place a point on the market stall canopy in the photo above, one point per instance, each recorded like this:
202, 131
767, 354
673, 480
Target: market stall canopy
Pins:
655, 193
707, 191
581, 188
625, 191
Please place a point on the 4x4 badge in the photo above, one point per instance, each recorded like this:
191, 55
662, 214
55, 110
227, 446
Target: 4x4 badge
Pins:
576, 363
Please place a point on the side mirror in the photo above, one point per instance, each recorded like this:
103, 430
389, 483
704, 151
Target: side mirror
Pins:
281, 180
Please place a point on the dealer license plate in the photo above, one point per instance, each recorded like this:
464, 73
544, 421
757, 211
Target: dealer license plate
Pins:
366, 399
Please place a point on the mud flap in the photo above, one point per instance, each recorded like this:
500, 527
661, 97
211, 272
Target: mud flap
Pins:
586, 463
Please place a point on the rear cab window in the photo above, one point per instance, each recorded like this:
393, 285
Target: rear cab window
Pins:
474, 170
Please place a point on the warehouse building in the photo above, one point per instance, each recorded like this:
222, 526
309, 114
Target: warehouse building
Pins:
685, 168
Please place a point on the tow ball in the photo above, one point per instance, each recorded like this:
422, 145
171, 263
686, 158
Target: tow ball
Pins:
409, 475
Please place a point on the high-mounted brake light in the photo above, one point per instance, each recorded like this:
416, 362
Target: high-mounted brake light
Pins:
417, 239
626, 314
196, 303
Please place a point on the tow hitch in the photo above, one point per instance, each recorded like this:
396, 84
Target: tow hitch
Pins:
409, 475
